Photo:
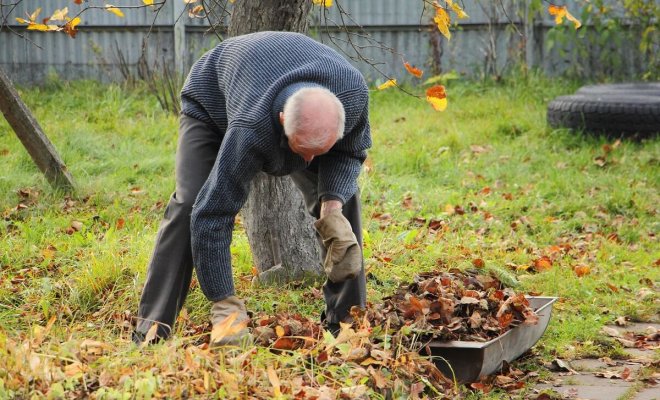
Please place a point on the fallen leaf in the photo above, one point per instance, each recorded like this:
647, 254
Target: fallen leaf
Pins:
581, 270
542, 264
274, 380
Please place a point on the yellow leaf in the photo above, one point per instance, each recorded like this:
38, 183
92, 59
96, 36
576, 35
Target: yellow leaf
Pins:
559, 12
275, 381
74, 22
35, 14
151, 335
148, 2
388, 84
437, 97
114, 10
442, 20
279, 331
196, 12
60, 15
574, 20
38, 27
457, 9
324, 3
22, 21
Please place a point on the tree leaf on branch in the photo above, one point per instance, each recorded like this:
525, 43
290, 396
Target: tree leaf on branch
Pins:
388, 84
457, 9
60, 15
70, 27
114, 10
442, 20
559, 12
416, 72
324, 3
196, 12
148, 2
437, 97
43, 27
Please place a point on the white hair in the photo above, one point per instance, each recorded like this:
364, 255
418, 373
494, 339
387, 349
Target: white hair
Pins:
296, 121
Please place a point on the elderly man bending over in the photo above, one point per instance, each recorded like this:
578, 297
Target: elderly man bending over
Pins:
276, 102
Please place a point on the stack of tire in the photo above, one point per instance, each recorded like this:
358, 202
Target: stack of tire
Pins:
616, 110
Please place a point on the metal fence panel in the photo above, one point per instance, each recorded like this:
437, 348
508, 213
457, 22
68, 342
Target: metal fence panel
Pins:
486, 43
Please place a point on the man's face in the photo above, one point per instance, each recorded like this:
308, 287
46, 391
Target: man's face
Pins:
295, 144
309, 154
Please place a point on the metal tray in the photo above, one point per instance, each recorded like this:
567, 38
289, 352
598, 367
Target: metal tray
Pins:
472, 360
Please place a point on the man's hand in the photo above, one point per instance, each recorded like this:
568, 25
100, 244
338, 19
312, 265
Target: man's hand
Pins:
343, 260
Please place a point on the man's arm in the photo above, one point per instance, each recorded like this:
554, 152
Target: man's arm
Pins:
218, 202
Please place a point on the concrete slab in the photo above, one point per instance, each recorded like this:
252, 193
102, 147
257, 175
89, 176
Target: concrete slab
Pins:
589, 392
640, 353
636, 327
648, 394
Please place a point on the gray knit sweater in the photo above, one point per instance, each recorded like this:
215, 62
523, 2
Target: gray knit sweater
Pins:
238, 88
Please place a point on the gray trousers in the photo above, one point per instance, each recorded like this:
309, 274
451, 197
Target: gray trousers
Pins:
170, 269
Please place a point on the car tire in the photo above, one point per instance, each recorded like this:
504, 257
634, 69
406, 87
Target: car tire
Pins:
621, 110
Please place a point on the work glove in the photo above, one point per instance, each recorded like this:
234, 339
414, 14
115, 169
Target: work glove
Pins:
343, 260
229, 317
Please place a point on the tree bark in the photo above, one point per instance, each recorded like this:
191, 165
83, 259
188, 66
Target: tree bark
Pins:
36, 142
279, 230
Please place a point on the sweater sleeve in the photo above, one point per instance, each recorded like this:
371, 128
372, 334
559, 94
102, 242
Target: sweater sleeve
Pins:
220, 199
340, 167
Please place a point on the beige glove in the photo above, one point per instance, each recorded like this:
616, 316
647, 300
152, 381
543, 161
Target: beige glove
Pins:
229, 317
344, 258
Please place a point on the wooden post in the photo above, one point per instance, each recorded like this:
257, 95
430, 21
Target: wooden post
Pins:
180, 55
529, 19
30, 133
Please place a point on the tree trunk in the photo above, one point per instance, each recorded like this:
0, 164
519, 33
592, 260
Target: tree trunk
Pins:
279, 229
36, 142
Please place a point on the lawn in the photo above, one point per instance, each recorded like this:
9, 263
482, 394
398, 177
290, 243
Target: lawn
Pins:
550, 212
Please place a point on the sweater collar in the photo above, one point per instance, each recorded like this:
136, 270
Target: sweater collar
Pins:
278, 106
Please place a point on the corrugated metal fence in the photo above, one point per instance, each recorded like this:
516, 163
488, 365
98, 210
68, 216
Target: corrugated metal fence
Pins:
497, 36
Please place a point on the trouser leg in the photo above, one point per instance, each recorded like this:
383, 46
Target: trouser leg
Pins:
170, 269
339, 297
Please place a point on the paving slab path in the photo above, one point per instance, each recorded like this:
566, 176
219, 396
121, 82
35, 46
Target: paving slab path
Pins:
634, 378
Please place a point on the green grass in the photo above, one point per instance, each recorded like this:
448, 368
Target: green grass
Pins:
543, 189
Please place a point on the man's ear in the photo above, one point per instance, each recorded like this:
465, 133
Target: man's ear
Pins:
282, 118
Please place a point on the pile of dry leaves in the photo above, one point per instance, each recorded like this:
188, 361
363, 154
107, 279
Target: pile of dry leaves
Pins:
456, 306
383, 341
